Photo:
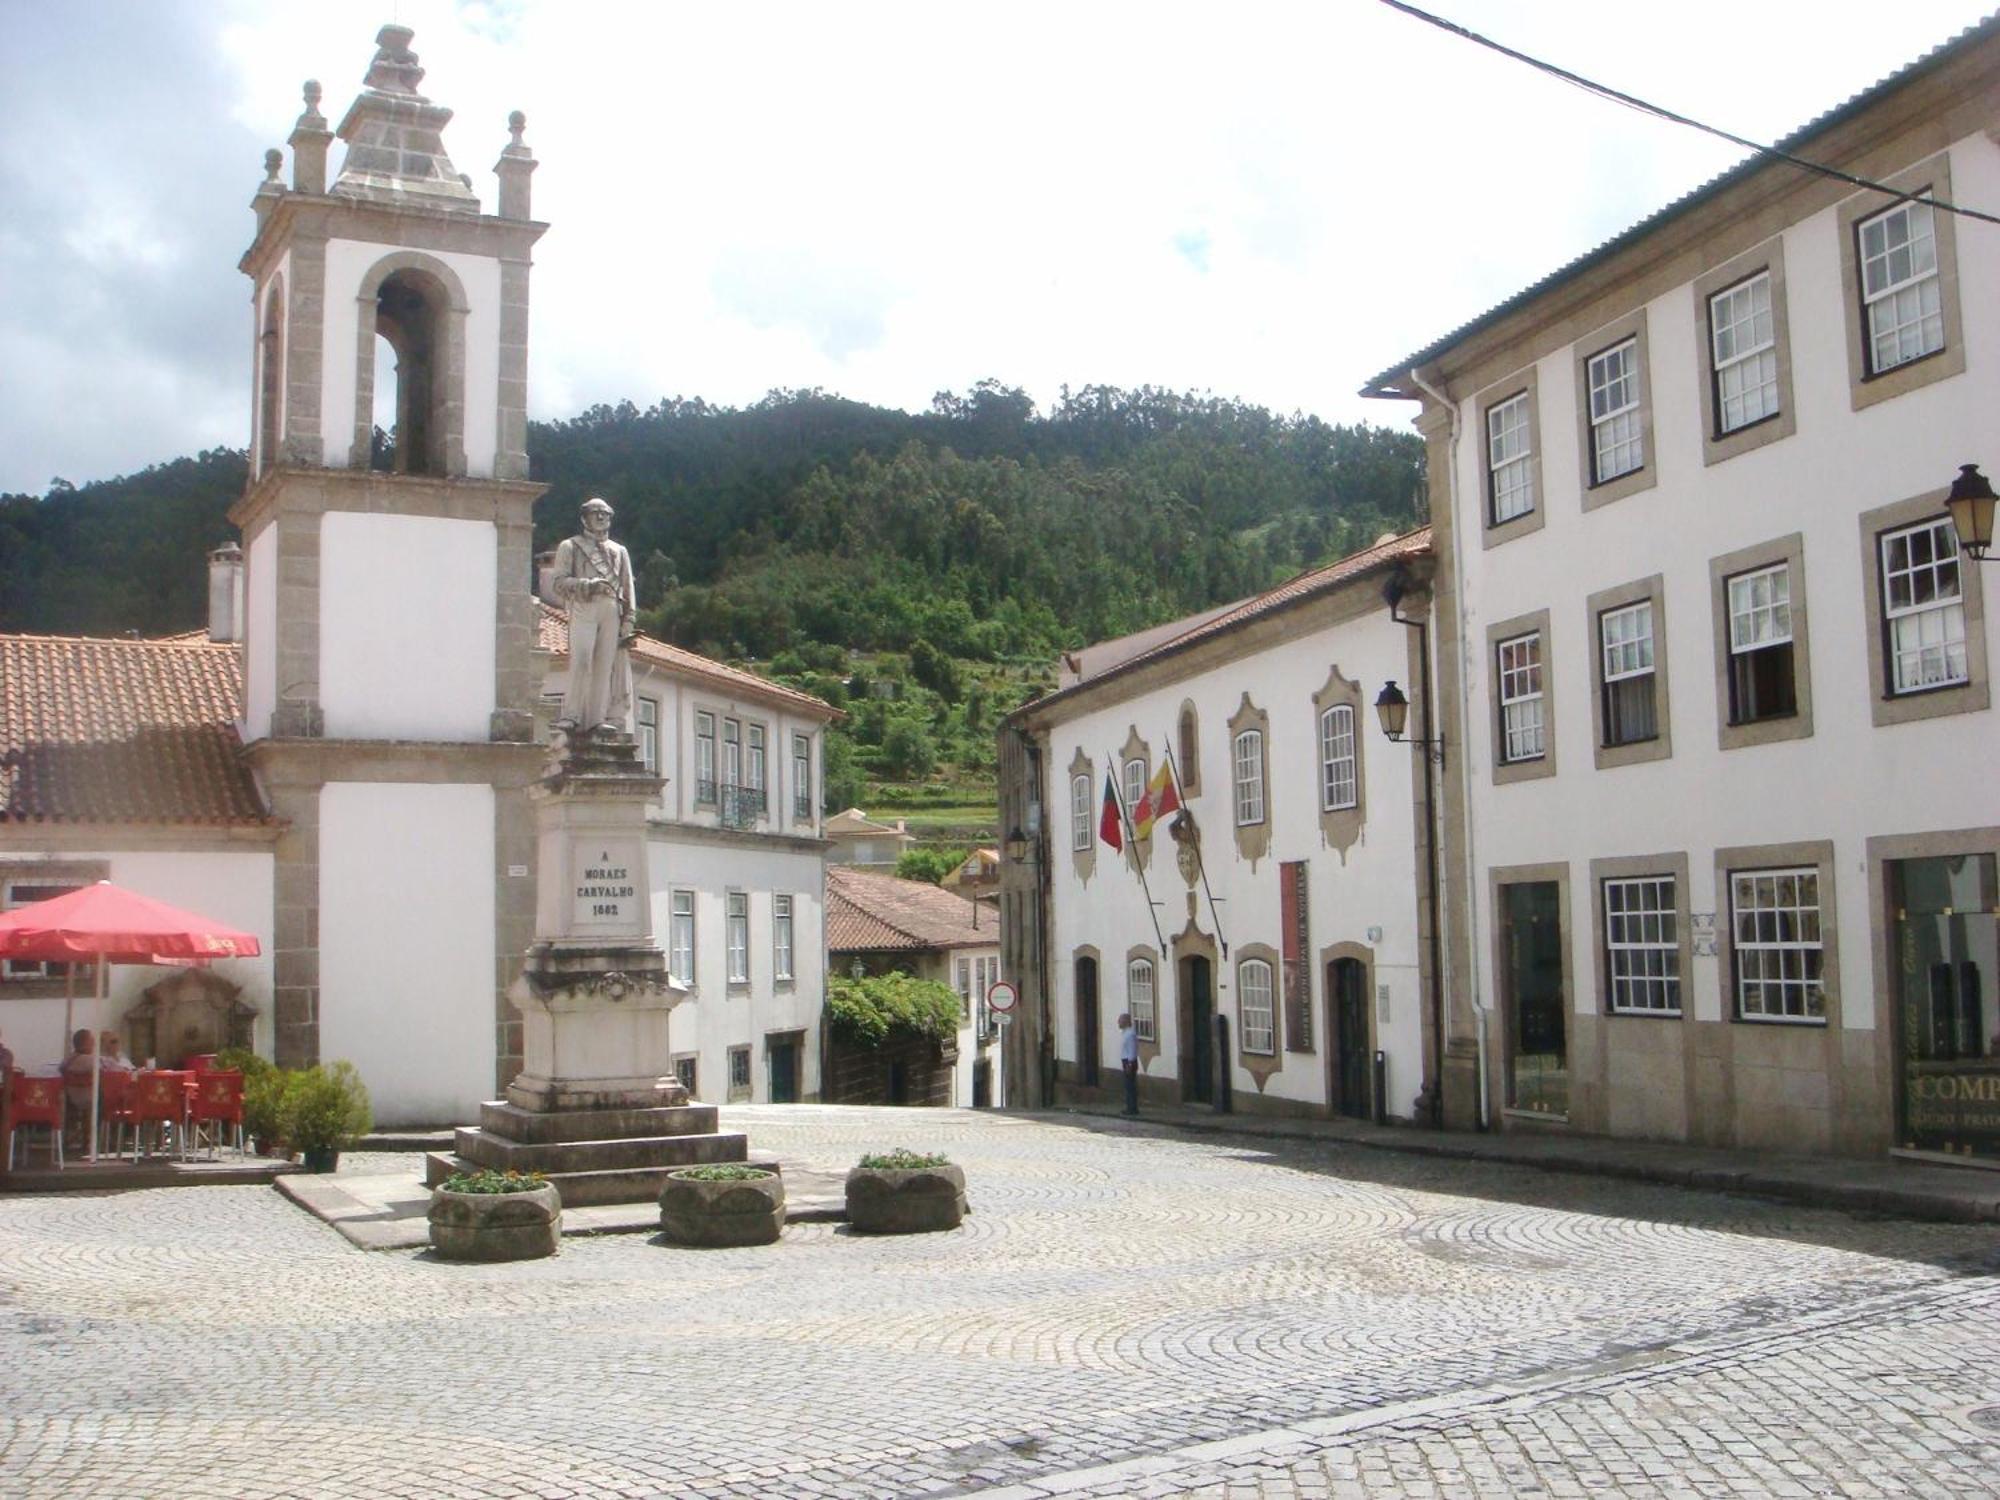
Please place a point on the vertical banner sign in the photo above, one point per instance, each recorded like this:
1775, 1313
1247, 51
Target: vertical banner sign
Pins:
1293, 920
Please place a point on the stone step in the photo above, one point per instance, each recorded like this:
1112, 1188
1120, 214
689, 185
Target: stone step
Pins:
535, 1127
618, 1153
583, 1188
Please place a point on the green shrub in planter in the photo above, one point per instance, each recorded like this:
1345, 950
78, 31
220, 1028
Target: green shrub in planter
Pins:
722, 1204
493, 1180
264, 1090
326, 1109
905, 1192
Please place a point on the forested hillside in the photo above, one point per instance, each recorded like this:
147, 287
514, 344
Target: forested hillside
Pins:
921, 569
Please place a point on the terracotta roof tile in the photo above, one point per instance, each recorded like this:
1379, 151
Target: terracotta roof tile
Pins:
552, 635
869, 913
121, 731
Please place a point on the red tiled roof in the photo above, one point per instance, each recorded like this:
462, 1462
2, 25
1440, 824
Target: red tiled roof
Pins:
868, 913
1411, 544
121, 731
552, 634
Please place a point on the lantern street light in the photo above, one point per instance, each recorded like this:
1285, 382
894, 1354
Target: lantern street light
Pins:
1017, 845
1970, 506
1393, 709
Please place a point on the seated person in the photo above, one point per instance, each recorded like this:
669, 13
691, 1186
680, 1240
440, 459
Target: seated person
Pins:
113, 1053
76, 1070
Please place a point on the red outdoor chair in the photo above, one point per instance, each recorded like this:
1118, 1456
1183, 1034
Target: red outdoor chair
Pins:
218, 1102
114, 1107
160, 1099
35, 1101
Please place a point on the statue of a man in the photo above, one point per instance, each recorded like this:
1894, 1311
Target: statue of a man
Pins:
593, 577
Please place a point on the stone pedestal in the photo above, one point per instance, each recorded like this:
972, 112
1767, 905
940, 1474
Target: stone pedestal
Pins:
596, 1106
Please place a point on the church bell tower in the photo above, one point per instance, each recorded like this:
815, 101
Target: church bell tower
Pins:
388, 673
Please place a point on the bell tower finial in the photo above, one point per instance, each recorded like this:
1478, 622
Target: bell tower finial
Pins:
395, 136
395, 69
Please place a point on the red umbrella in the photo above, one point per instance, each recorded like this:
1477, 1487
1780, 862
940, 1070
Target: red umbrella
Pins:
118, 926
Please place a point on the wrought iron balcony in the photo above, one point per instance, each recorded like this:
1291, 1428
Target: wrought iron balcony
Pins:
741, 806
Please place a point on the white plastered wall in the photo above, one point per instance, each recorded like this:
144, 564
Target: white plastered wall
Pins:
406, 944
406, 622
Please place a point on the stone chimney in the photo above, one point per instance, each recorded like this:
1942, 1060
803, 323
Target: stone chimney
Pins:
225, 593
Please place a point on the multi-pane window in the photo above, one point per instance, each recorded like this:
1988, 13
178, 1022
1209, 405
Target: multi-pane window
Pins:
680, 937
26, 893
1254, 996
802, 776
1777, 936
737, 908
1249, 760
732, 753
781, 937
754, 768
1617, 439
685, 1069
1190, 750
1079, 813
1899, 286
1761, 670
1642, 945
704, 757
1510, 453
1338, 784
1630, 710
739, 1072
1521, 728
1139, 998
1923, 608
649, 735
1135, 786
1743, 343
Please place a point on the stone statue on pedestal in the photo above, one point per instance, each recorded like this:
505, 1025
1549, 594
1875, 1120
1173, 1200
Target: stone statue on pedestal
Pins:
593, 579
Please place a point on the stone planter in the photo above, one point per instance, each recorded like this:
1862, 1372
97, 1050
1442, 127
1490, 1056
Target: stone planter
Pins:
909, 1200
747, 1211
496, 1226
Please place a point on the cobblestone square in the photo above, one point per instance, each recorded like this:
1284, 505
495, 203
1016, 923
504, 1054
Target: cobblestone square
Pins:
1128, 1311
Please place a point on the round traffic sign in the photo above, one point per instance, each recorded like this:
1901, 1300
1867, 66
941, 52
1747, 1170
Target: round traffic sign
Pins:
1001, 996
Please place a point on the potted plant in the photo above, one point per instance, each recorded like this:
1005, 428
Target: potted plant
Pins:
494, 1215
723, 1203
325, 1110
905, 1192
264, 1085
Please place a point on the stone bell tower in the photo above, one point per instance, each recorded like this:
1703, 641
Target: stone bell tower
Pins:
388, 675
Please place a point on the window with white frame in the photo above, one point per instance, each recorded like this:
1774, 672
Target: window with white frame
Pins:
1510, 453
737, 909
1339, 786
680, 937
802, 776
1617, 437
1135, 785
27, 893
1923, 608
1899, 286
1776, 930
1079, 813
753, 770
781, 937
1249, 767
1762, 684
704, 756
1743, 345
732, 753
1520, 668
1642, 949
1254, 991
649, 735
1139, 998
1631, 713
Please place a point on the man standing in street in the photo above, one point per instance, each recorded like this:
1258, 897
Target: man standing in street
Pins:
1128, 1057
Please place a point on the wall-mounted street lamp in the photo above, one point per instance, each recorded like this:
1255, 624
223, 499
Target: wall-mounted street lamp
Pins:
1393, 709
859, 969
1970, 506
1017, 845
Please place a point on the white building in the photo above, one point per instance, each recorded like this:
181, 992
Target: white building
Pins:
1722, 816
1273, 950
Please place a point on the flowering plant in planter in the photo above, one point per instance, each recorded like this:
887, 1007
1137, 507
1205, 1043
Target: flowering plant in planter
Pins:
492, 1180
905, 1192
903, 1160
720, 1204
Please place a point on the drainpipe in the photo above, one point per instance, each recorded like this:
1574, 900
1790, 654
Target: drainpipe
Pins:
1463, 768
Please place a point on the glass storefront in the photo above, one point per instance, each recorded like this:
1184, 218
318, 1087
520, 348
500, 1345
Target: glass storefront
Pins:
1537, 1045
1945, 925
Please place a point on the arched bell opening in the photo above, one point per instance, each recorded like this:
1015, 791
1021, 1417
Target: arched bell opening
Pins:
271, 378
409, 316
414, 303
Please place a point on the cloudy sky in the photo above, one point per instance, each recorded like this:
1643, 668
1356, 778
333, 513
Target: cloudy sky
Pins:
1268, 201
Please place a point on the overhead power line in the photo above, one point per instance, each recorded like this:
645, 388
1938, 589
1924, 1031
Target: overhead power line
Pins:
1617, 96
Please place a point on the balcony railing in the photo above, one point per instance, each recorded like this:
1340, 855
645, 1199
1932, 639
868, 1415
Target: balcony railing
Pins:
741, 806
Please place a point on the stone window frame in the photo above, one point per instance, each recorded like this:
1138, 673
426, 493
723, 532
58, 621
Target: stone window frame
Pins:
785, 976
1138, 851
1504, 770
1187, 749
707, 788
1882, 851
1631, 327
1790, 550
1261, 1065
1673, 865
1606, 601
757, 735
736, 982
447, 368
1498, 877
1522, 383
1083, 857
1253, 840
1340, 827
1745, 858
1364, 955
1149, 1047
1716, 445
1864, 387
740, 1092
69, 872
1970, 696
692, 1077
674, 894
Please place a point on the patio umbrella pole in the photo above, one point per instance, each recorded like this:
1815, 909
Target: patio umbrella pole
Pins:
69, 1002
97, 1061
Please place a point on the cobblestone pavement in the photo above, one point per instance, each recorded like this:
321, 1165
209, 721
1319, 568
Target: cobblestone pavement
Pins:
1127, 1312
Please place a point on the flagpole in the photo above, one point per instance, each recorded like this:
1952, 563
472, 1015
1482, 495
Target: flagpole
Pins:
1200, 864
1132, 843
